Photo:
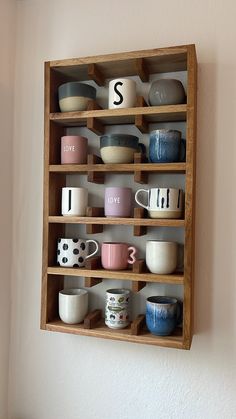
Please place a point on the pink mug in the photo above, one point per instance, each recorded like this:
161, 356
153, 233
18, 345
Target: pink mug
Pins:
118, 202
74, 149
117, 256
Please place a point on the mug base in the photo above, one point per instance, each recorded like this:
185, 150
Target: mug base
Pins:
118, 326
164, 214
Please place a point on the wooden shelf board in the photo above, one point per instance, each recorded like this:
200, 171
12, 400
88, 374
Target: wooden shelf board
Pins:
102, 331
152, 114
153, 222
118, 168
123, 64
176, 278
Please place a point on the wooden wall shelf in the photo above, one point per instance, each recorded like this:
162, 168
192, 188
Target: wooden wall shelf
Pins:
100, 69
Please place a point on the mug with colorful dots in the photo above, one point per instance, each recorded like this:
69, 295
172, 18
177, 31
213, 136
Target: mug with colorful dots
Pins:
73, 252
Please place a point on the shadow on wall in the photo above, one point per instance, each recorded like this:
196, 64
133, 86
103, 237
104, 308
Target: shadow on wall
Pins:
205, 196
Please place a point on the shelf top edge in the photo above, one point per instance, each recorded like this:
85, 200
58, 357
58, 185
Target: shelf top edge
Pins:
147, 110
182, 49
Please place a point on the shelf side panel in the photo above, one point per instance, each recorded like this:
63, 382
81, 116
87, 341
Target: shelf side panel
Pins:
190, 196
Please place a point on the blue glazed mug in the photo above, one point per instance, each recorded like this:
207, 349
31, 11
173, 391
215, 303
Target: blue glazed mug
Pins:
166, 146
163, 314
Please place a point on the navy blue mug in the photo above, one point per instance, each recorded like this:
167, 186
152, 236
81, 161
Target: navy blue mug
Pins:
166, 146
163, 314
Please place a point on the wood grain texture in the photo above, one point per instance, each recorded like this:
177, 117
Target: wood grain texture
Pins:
138, 324
97, 119
177, 278
151, 222
101, 331
119, 168
190, 197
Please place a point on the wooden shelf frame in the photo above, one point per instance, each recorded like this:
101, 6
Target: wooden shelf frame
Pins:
100, 69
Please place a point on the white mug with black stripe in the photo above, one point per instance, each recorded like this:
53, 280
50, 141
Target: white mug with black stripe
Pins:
161, 202
74, 252
74, 201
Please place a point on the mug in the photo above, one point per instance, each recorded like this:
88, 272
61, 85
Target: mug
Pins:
120, 148
166, 92
162, 202
166, 146
122, 93
163, 314
74, 149
117, 256
161, 256
74, 201
117, 311
118, 202
74, 252
73, 305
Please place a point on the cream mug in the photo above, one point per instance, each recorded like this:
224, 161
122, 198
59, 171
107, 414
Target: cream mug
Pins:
162, 202
161, 256
73, 305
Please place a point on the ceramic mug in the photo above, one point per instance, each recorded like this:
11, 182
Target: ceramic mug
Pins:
74, 149
162, 202
166, 146
74, 96
73, 305
166, 92
120, 148
163, 314
74, 252
117, 310
117, 256
118, 202
122, 93
74, 201
161, 256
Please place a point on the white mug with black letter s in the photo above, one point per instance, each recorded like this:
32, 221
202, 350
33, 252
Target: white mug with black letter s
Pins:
122, 93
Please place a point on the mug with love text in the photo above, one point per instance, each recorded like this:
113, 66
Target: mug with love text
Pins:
74, 149
118, 202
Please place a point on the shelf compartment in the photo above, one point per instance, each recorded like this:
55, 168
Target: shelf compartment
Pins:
152, 114
102, 331
158, 60
149, 222
176, 278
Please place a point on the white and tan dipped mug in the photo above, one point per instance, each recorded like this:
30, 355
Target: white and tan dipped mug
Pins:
161, 202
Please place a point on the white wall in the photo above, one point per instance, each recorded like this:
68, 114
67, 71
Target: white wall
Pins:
7, 16
56, 376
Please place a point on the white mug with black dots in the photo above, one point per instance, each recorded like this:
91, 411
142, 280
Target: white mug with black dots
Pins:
74, 201
74, 252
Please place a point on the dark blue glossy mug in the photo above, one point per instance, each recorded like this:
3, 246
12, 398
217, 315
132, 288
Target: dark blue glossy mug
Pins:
166, 146
163, 314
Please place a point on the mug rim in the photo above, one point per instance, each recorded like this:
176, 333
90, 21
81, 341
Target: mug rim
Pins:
162, 241
165, 130
115, 243
118, 291
74, 136
74, 188
73, 292
164, 300
117, 187
72, 238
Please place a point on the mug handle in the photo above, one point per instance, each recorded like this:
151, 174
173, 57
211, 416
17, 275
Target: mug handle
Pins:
132, 258
96, 250
142, 148
137, 200
182, 156
179, 317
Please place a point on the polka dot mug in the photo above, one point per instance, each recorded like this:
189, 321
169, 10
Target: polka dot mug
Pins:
74, 252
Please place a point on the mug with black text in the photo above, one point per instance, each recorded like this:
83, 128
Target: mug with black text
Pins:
122, 93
